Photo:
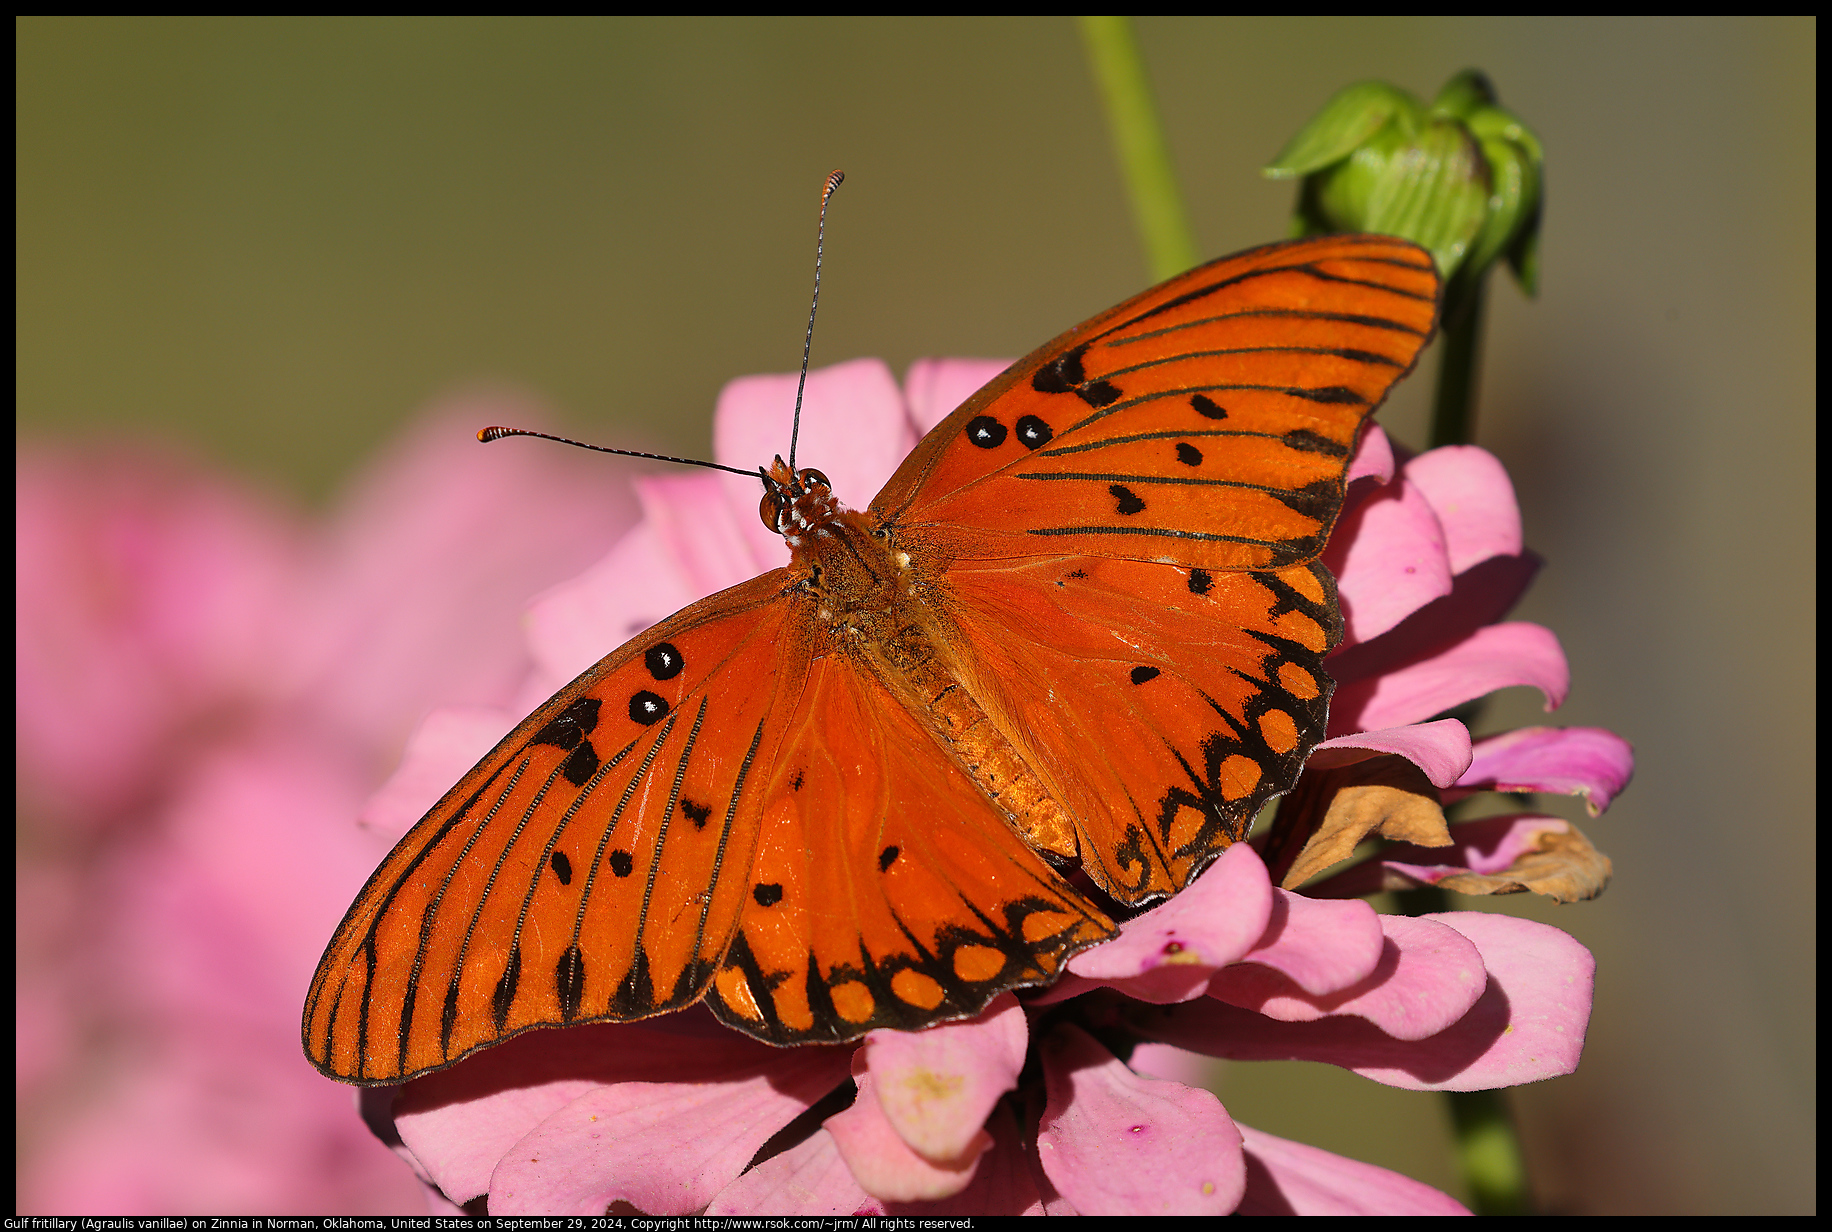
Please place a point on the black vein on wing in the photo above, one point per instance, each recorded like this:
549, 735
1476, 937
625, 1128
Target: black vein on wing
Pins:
661, 833
1304, 314
1370, 358
688, 975
409, 996
470, 928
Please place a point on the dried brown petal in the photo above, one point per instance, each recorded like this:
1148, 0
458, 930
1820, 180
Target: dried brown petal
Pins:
1382, 795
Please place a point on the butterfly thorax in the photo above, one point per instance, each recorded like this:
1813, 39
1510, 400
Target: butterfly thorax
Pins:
870, 600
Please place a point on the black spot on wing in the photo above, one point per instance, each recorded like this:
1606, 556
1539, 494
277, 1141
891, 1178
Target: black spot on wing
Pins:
1127, 500
621, 863
1099, 393
448, 1017
1143, 673
1208, 408
1305, 441
886, 858
580, 765
1033, 433
504, 996
986, 432
569, 982
1317, 499
571, 725
1188, 454
696, 813
1062, 374
1065, 374
635, 995
647, 707
562, 867
767, 895
663, 661
1200, 581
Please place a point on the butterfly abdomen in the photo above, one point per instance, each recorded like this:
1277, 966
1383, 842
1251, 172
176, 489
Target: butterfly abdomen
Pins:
911, 665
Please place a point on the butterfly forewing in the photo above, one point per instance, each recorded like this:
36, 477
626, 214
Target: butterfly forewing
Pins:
1207, 422
576, 873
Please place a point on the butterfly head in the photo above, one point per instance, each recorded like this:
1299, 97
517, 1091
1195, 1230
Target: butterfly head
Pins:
798, 504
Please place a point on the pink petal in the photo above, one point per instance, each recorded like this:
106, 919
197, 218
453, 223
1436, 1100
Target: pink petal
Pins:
808, 1179
224, 917
441, 750
713, 543
432, 561
934, 387
1496, 657
855, 427
462, 1121
1577, 761
1322, 947
1441, 749
1427, 978
1114, 1143
148, 592
936, 1087
1481, 595
1007, 1182
812, 1179
1474, 500
1389, 559
574, 624
1169, 952
1527, 1025
1161, 1061
1373, 459
880, 1160
664, 1148
1291, 1178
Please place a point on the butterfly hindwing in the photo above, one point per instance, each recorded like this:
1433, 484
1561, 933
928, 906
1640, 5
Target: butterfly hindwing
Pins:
580, 871
1207, 422
887, 891
1195, 697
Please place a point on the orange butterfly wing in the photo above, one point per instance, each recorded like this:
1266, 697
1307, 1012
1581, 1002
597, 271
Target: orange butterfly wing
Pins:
1162, 706
722, 802
1119, 534
574, 873
1207, 422
886, 891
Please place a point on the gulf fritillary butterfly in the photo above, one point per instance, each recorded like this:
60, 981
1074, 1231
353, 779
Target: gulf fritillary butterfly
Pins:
1083, 623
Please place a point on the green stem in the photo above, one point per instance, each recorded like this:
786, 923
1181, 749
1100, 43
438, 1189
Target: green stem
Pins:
1488, 1153
1139, 144
1487, 1146
1453, 411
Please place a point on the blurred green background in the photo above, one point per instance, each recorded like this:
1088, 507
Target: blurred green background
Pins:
273, 241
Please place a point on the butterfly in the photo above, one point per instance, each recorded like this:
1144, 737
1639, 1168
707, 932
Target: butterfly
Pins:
1081, 628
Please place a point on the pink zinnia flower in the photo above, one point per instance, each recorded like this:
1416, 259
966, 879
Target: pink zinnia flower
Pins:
1069, 1100
209, 686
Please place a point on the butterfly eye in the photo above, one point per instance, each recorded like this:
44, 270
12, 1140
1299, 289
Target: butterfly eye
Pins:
812, 478
770, 510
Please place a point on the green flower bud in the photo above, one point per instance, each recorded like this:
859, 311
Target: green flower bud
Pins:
1461, 177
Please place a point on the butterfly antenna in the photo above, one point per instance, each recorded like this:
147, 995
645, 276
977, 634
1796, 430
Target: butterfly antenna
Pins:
497, 434
834, 179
